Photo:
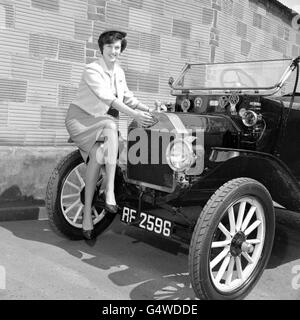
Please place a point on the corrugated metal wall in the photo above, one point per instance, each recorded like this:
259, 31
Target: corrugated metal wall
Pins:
45, 44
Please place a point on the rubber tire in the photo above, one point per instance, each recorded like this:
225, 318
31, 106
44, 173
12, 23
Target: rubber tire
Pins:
56, 218
211, 215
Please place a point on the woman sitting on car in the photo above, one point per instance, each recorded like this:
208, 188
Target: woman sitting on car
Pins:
91, 118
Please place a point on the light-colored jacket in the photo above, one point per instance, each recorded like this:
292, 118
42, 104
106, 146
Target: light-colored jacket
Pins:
95, 94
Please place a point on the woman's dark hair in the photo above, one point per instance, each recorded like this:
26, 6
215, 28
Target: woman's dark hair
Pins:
110, 37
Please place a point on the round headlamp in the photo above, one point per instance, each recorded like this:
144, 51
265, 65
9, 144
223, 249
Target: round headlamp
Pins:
180, 155
249, 118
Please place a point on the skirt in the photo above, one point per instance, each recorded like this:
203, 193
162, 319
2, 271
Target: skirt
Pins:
84, 129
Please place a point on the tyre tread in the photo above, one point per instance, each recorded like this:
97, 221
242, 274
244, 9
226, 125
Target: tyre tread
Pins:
207, 214
50, 202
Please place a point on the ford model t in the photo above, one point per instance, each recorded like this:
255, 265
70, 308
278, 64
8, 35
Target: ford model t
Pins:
206, 173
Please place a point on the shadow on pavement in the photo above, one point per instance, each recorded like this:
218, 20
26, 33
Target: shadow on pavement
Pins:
286, 247
155, 268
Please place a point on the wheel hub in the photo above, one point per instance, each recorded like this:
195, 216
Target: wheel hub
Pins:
237, 243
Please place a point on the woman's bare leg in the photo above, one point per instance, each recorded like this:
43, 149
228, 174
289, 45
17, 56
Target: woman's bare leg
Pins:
93, 169
111, 149
103, 177
92, 174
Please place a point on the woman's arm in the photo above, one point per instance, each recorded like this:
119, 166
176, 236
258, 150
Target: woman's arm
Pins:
144, 118
128, 97
143, 107
96, 82
122, 107
101, 89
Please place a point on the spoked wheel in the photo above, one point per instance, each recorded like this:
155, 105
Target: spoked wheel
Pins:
65, 199
232, 240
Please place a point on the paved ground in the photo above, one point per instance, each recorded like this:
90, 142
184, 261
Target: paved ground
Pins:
125, 263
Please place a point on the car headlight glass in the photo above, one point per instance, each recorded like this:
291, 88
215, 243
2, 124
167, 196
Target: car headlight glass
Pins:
180, 155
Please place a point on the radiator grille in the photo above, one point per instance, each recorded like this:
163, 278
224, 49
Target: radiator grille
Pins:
152, 169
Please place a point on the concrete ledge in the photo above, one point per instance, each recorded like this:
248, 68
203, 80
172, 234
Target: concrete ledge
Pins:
25, 171
24, 176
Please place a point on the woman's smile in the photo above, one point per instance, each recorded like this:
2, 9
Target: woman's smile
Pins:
111, 51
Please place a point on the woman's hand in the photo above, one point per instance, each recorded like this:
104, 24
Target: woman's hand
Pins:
144, 118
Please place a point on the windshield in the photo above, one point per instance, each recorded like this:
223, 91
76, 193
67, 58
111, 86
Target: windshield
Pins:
288, 86
234, 76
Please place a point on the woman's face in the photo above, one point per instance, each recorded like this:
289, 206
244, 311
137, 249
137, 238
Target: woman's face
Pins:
111, 51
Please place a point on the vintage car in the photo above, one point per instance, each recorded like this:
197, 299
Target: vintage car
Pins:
208, 172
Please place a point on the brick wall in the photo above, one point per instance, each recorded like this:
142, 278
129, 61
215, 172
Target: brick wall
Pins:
44, 45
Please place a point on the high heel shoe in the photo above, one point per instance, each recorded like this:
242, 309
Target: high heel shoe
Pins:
88, 234
89, 237
111, 208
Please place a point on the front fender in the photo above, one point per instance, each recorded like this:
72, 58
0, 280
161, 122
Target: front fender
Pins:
226, 164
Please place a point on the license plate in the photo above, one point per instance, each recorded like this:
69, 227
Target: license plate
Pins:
148, 221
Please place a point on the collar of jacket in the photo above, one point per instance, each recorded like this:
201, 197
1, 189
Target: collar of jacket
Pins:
104, 66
